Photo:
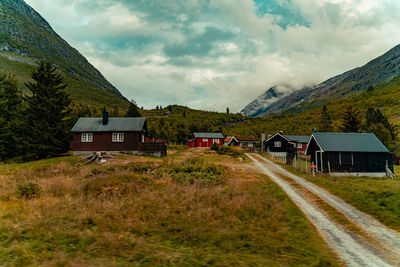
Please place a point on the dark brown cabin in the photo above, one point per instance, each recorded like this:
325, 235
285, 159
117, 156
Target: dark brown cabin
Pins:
113, 134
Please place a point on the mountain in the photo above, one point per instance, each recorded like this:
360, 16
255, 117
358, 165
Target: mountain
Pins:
262, 103
26, 37
377, 73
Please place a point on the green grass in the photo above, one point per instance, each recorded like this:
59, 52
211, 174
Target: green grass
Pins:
131, 212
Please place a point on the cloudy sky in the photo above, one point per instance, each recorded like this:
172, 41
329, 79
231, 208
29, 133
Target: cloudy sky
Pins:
213, 54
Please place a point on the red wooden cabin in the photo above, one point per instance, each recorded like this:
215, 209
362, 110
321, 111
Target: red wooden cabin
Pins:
206, 139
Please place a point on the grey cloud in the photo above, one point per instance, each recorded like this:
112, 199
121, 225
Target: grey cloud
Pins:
198, 45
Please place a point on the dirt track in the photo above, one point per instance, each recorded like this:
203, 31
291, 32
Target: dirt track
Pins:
354, 249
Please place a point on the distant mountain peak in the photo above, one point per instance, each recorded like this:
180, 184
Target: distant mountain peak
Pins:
379, 70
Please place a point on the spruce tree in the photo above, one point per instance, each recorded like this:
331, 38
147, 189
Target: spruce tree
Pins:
133, 110
350, 120
47, 114
325, 123
10, 109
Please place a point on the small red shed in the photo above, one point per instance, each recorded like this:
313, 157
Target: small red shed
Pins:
301, 141
206, 140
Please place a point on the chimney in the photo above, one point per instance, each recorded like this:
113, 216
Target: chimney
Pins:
105, 117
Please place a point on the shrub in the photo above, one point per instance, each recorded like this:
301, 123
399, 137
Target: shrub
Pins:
196, 170
214, 147
28, 190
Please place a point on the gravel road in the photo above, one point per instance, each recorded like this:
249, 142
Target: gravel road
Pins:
349, 246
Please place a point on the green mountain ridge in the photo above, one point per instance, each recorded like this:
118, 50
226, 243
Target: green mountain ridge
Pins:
25, 37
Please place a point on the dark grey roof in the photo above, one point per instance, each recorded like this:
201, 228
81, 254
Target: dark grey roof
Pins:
298, 138
349, 142
129, 124
208, 135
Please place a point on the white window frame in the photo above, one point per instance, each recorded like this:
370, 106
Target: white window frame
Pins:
216, 141
118, 137
86, 137
277, 144
205, 139
299, 145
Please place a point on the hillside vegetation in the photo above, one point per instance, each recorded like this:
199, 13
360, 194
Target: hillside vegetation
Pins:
25, 37
151, 212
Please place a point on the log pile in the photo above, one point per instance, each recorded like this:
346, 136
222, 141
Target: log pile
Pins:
100, 157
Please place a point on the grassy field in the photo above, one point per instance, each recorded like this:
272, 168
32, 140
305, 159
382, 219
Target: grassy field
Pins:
181, 210
379, 197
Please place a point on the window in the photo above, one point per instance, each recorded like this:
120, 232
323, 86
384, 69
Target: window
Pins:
277, 143
118, 137
86, 137
299, 145
205, 139
346, 158
216, 141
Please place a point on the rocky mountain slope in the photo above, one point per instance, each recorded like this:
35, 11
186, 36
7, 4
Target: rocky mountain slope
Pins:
262, 103
26, 37
377, 73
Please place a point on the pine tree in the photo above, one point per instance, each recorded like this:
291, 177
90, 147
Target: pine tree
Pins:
351, 122
46, 119
325, 123
10, 109
133, 110
227, 110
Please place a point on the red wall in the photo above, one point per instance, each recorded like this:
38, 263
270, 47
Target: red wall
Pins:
103, 142
198, 142
303, 147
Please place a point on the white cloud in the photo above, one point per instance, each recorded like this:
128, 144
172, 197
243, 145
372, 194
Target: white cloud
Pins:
230, 51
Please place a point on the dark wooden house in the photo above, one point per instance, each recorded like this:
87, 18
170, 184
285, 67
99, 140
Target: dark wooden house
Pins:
278, 145
206, 140
113, 134
360, 154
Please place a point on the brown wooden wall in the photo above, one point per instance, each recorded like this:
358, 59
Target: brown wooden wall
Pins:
103, 142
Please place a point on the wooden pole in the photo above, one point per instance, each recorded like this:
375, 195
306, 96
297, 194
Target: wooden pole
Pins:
306, 167
329, 167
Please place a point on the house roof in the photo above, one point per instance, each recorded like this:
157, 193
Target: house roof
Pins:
272, 136
246, 138
298, 138
128, 124
208, 135
349, 142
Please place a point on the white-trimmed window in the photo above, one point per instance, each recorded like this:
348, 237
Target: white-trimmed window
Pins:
118, 137
216, 141
205, 139
299, 145
277, 143
86, 137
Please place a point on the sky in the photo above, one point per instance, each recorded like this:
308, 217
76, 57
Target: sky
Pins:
214, 54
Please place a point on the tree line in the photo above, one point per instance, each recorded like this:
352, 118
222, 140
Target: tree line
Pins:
352, 122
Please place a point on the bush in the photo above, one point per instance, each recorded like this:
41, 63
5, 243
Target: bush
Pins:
230, 152
196, 170
214, 147
28, 190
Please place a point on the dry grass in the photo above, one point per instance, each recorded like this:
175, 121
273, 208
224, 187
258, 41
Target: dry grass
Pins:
128, 212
